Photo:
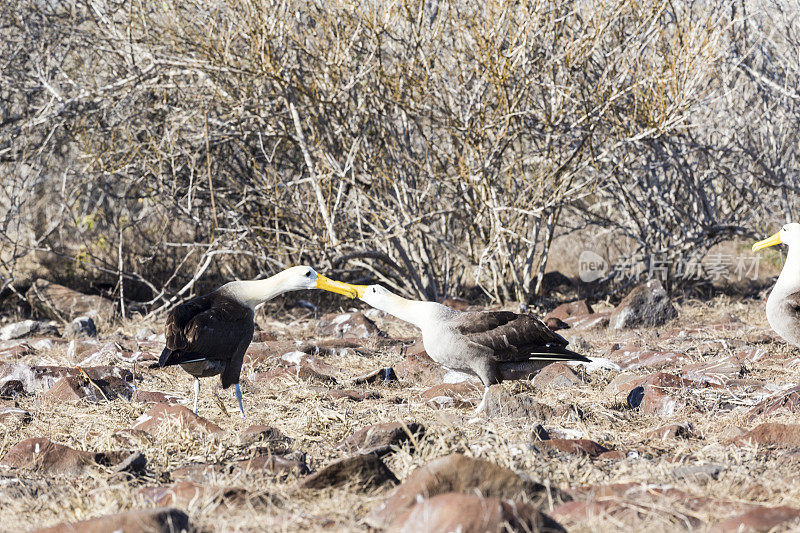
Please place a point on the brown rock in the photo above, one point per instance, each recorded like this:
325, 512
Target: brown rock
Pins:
152, 420
380, 375
651, 399
186, 493
161, 520
348, 325
556, 376
772, 434
364, 471
470, 513
41, 378
380, 438
578, 308
718, 372
301, 359
9, 415
587, 322
259, 353
352, 395
645, 306
269, 463
500, 403
634, 358
788, 400
143, 396
760, 519
60, 303
454, 302
276, 441
555, 324
420, 369
74, 388
459, 395
46, 456
292, 373
14, 349
575, 446
670, 431
455, 473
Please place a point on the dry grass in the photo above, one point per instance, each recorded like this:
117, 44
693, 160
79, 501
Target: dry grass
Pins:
317, 425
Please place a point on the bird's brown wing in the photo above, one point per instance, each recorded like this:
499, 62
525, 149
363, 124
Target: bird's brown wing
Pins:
179, 318
513, 337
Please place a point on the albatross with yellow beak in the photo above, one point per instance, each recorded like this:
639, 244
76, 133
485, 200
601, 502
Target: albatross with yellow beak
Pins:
493, 345
783, 304
209, 334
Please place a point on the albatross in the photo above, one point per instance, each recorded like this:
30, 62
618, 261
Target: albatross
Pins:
208, 335
783, 303
492, 345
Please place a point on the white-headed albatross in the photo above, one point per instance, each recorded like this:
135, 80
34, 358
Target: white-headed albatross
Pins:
493, 345
783, 304
209, 334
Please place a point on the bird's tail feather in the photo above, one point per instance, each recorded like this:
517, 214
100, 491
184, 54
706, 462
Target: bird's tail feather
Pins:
558, 353
169, 358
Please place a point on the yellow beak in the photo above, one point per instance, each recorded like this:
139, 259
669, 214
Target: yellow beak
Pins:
766, 243
338, 287
359, 289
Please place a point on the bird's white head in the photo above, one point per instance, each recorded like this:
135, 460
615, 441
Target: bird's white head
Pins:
788, 235
377, 296
254, 293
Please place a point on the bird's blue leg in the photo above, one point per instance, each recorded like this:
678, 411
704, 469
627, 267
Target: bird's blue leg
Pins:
238, 392
196, 393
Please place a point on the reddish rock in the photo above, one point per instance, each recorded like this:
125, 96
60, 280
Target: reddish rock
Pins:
788, 400
612, 455
459, 395
352, 395
9, 415
760, 519
634, 358
772, 434
186, 493
645, 306
470, 513
670, 431
575, 446
555, 324
74, 388
455, 473
363, 471
454, 302
420, 369
623, 384
159, 414
651, 399
269, 463
60, 303
41, 378
143, 396
264, 336
46, 456
259, 433
579, 308
160, 520
500, 403
293, 373
587, 322
717, 372
556, 376
14, 349
266, 352
348, 325
380, 438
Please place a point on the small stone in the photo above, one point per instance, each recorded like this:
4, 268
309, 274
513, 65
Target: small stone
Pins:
556, 376
420, 369
259, 433
144, 396
461, 512
18, 330
788, 400
556, 324
589, 322
46, 456
159, 414
348, 326
458, 395
380, 438
575, 446
381, 375
160, 520
363, 471
500, 403
81, 327
462, 474
670, 431
761, 519
74, 388
572, 309
646, 305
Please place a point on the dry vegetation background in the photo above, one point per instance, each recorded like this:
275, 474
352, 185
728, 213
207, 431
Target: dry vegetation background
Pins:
440, 147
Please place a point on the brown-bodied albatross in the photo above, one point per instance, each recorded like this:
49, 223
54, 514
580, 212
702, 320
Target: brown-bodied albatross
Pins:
209, 334
493, 345
783, 304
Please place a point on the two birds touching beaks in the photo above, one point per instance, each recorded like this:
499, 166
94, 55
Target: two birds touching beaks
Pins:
209, 335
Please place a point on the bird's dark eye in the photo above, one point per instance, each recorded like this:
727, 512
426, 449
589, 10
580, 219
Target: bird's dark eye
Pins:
308, 274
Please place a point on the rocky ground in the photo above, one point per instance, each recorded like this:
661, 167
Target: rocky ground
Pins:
688, 425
